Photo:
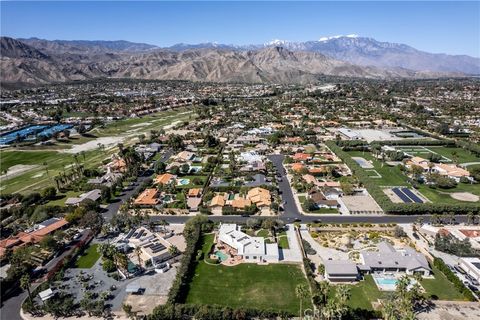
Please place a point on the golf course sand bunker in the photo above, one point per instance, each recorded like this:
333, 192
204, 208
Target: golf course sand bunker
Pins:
107, 142
17, 169
465, 196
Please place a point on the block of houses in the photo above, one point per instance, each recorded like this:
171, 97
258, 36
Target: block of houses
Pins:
389, 260
450, 170
33, 235
250, 249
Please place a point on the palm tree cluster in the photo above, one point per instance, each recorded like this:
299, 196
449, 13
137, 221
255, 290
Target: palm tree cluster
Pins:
110, 253
405, 301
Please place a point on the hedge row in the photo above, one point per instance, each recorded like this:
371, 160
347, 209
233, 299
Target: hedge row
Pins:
437, 262
398, 208
212, 312
179, 288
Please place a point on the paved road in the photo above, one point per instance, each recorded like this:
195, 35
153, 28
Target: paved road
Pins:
290, 207
113, 208
10, 309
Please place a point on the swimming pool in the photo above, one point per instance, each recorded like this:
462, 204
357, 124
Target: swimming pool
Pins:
386, 281
222, 256
183, 182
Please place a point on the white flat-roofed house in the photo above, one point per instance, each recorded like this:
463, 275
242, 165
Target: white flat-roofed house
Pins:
251, 249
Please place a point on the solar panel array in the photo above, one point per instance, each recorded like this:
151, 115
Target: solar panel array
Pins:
407, 195
412, 195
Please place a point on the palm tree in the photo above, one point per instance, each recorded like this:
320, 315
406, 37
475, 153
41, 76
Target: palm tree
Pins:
25, 285
121, 261
173, 250
301, 291
138, 252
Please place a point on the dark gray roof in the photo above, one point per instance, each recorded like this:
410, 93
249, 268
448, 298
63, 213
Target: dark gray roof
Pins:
386, 258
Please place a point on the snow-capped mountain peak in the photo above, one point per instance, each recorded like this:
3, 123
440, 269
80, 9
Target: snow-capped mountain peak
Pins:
338, 36
275, 42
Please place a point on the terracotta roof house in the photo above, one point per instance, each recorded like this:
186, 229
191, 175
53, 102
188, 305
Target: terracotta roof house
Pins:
165, 178
297, 167
34, 236
241, 203
149, 197
218, 201
261, 197
194, 192
302, 157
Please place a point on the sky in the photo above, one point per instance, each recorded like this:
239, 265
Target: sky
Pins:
433, 26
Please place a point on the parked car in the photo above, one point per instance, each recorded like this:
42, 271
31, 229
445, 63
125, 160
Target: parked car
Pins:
459, 269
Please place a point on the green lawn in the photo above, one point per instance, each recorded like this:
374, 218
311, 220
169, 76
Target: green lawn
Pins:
88, 258
37, 178
246, 285
61, 198
283, 242
391, 176
264, 233
363, 293
441, 287
191, 184
463, 155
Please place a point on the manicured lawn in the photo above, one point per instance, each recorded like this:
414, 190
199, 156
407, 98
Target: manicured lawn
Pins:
463, 155
363, 293
301, 199
88, 258
37, 178
191, 184
391, 176
283, 242
247, 285
264, 233
441, 287
61, 198
207, 243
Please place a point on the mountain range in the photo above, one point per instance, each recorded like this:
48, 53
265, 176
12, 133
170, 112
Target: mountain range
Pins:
35, 61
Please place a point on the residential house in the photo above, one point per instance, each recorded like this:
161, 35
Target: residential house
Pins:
93, 195
33, 235
340, 271
389, 260
165, 178
321, 201
251, 249
149, 197
260, 197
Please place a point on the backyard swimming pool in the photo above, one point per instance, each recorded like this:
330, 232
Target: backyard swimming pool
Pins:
183, 182
222, 256
389, 282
